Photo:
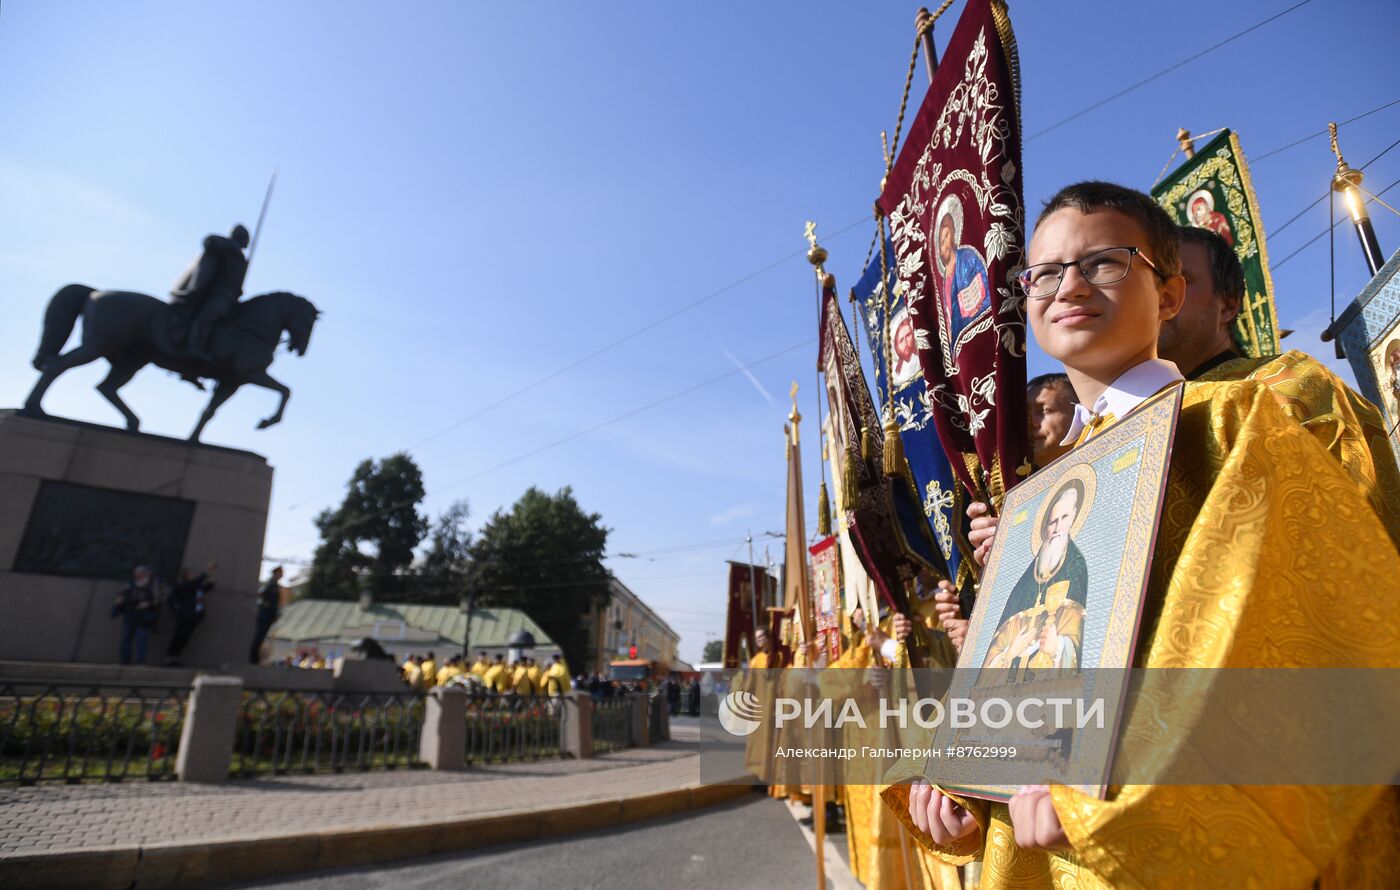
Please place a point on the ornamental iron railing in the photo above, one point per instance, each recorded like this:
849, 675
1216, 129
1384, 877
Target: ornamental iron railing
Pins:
91, 732
281, 731
612, 723
503, 728
110, 732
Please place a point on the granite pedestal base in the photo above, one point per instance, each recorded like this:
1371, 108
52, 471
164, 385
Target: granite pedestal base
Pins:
81, 504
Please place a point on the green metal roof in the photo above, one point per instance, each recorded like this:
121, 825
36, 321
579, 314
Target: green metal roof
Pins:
308, 619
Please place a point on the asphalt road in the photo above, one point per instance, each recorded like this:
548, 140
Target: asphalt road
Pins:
752, 842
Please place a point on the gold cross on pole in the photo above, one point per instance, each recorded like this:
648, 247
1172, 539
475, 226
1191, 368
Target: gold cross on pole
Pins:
816, 254
795, 416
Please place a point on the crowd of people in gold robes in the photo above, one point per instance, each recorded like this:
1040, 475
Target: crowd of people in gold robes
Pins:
492, 674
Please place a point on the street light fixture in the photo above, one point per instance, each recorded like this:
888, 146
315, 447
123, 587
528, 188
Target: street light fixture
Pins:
1348, 181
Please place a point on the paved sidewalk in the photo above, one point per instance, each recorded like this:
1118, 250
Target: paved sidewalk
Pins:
168, 834
58, 818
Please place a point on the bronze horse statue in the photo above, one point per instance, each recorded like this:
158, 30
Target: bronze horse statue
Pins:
131, 330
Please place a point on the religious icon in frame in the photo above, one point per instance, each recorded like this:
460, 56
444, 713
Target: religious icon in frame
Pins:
1060, 604
1370, 331
1385, 360
826, 595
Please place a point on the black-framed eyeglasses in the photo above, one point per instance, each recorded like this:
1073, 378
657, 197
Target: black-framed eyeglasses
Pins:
1107, 266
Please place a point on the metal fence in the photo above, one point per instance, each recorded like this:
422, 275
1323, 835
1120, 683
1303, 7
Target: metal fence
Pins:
509, 728
97, 732
281, 731
107, 732
612, 723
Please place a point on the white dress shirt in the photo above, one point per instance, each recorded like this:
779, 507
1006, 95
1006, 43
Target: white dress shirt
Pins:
1133, 387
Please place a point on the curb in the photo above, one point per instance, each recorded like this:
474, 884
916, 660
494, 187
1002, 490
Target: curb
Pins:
227, 862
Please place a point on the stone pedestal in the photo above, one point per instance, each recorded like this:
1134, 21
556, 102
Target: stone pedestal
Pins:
443, 742
81, 504
207, 736
576, 725
641, 724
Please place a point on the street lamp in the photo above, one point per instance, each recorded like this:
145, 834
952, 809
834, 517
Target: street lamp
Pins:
1348, 181
467, 607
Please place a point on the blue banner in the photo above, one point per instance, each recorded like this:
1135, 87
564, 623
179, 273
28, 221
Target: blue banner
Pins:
940, 500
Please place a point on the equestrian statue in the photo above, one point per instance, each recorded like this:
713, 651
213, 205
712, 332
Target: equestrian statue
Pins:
204, 332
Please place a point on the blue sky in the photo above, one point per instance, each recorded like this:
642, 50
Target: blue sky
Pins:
478, 195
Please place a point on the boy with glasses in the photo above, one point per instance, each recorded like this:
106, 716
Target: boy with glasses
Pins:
1251, 569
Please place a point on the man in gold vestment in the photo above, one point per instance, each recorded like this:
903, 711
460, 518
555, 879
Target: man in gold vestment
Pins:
556, 677
1268, 555
880, 858
499, 677
481, 665
761, 680
521, 681
1344, 423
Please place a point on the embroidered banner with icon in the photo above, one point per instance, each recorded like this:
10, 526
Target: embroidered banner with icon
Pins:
826, 596
881, 513
1213, 191
750, 587
887, 320
954, 203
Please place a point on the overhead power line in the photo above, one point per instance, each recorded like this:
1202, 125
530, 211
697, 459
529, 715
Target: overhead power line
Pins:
1320, 198
1323, 132
640, 554
359, 520
1314, 239
1165, 71
607, 347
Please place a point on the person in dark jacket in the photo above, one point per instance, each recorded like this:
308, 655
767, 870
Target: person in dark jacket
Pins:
694, 704
187, 602
137, 607
269, 600
673, 695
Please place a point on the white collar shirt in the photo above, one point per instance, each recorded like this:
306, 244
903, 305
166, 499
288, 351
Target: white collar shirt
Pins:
1133, 387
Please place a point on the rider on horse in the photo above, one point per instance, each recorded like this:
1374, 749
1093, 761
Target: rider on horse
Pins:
210, 288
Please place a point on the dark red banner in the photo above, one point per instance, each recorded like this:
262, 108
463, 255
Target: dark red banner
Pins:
739, 617
957, 222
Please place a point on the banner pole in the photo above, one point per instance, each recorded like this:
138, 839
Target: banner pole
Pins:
753, 593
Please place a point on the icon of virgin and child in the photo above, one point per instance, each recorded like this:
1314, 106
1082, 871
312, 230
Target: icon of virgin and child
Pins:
1041, 630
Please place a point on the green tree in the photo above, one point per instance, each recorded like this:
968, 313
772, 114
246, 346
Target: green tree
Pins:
442, 575
380, 511
714, 651
545, 557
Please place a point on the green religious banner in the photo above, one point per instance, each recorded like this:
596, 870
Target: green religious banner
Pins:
1213, 191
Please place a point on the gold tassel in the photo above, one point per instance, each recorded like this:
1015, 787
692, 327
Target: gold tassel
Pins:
851, 485
894, 449
865, 443
823, 511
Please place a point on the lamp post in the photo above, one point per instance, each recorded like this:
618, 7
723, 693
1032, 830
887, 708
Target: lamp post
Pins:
467, 607
1348, 181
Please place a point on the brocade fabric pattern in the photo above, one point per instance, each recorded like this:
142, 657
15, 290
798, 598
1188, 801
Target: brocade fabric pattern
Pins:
1268, 555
